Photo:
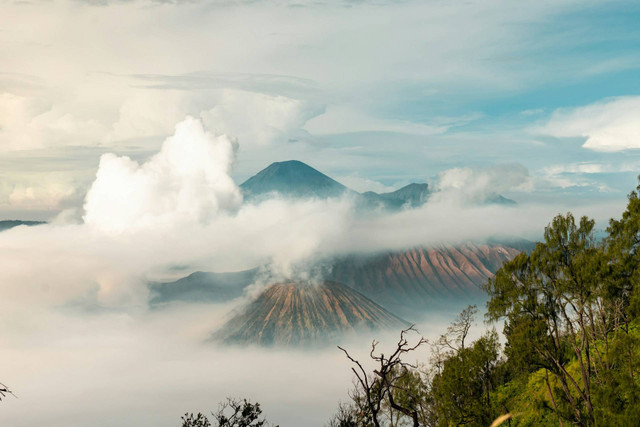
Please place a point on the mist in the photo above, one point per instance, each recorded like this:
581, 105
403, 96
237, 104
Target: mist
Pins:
82, 347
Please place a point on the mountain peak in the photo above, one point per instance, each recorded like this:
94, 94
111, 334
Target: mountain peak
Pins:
296, 313
292, 178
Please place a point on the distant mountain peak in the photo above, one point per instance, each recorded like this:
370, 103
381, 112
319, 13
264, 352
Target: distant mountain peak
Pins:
296, 179
498, 199
292, 178
11, 223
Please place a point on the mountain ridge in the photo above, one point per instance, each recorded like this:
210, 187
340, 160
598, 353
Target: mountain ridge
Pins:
408, 282
11, 223
296, 179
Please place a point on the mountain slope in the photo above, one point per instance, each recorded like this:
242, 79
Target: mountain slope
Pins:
202, 287
294, 179
412, 195
498, 199
293, 314
411, 280
408, 282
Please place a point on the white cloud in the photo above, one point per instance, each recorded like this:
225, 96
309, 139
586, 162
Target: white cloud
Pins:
581, 174
43, 196
188, 180
476, 185
341, 119
31, 123
259, 119
254, 118
609, 125
39, 191
147, 113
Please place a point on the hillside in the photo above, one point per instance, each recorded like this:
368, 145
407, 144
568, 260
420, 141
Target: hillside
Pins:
305, 314
202, 286
412, 196
11, 223
408, 281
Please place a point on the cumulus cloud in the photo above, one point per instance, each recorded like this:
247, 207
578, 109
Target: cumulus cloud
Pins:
260, 119
146, 113
255, 118
28, 123
48, 191
609, 125
188, 180
476, 185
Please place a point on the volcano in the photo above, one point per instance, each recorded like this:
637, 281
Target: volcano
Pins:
292, 178
408, 282
305, 314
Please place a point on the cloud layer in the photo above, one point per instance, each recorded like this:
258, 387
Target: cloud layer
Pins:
610, 125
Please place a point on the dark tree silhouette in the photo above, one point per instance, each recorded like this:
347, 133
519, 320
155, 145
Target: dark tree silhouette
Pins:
372, 391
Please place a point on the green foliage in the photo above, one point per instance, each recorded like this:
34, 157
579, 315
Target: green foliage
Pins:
462, 391
190, 420
234, 413
231, 413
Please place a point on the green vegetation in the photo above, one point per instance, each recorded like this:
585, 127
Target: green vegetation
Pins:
571, 312
232, 413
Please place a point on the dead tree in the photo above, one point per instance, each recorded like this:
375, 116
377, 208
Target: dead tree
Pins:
4, 390
379, 387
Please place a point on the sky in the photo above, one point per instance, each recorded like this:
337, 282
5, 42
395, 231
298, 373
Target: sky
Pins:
128, 126
375, 94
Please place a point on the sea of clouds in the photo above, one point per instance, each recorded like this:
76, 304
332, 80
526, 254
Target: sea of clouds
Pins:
80, 345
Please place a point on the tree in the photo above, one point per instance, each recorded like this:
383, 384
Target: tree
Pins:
190, 420
462, 389
346, 416
463, 376
381, 387
457, 332
231, 413
549, 298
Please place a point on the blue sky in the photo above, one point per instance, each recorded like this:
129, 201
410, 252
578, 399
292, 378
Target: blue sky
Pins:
377, 94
